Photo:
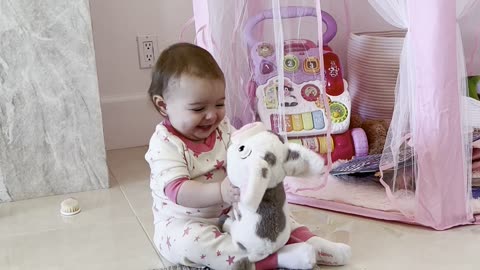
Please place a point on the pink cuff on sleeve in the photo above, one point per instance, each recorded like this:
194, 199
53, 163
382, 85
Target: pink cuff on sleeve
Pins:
300, 234
271, 262
171, 190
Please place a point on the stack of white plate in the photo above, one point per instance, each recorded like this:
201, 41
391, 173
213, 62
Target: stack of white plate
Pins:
372, 63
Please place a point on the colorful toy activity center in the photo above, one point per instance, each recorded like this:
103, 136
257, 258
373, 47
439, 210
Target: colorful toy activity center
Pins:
305, 119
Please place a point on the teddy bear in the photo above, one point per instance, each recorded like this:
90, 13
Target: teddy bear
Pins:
376, 131
258, 161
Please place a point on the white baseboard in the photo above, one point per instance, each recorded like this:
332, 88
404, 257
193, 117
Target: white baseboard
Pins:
128, 121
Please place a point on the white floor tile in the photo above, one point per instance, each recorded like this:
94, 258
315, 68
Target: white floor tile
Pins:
102, 247
105, 206
132, 172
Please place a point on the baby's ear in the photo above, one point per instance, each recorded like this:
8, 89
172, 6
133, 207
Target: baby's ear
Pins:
160, 104
301, 161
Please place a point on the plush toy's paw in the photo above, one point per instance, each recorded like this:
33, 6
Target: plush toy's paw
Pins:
297, 256
226, 224
344, 254
334, 254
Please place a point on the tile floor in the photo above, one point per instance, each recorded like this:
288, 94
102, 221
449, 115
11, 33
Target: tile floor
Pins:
114, 231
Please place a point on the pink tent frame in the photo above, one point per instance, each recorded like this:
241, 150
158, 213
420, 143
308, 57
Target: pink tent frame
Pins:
441, 200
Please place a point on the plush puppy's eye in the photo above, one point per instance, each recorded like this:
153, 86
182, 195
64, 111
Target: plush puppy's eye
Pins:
244, 151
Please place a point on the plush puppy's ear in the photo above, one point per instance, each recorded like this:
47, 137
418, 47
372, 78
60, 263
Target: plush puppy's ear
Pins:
258, 179
301, 161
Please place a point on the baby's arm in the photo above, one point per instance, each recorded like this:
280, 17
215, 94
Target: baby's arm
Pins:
195, 194
228, 194
170, 174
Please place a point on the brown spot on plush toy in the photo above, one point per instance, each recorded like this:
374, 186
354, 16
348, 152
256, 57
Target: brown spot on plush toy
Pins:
376, 131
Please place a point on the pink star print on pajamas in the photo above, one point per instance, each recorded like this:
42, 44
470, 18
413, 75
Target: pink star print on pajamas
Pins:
209, 175
217, 233
230, 260
220, 165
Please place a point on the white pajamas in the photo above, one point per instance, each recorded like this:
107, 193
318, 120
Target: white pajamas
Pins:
196, 243
189, 236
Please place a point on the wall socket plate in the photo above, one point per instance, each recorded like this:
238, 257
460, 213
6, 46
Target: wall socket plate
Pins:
147, 50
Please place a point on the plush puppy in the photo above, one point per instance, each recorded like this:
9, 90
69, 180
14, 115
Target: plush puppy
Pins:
258, 161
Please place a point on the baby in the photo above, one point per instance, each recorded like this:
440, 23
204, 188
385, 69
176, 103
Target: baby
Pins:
187, 157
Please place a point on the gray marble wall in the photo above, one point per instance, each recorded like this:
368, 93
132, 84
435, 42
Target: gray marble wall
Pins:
51, 138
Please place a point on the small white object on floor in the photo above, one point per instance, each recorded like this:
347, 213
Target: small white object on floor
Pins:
70, 207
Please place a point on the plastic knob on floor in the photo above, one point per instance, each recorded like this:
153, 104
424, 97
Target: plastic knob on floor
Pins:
70, 207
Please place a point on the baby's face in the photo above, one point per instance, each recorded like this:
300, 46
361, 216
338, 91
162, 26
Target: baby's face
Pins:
195, 106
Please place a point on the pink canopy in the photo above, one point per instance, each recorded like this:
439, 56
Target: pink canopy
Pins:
430, 115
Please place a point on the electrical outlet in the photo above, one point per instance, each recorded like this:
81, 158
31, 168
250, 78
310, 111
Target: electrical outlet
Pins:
147, 50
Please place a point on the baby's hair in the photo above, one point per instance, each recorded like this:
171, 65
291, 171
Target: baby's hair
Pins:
182, 58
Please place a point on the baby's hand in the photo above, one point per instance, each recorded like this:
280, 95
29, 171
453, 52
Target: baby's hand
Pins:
230, 193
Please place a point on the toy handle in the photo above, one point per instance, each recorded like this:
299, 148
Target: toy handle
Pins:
291, 12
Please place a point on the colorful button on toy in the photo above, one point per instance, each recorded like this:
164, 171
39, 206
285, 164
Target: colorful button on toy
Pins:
297, 122
311, 143
311, 65
270, 97
265, 49
288, 123
275, 122
318, 121
307, 121
310, 92
322, 140
338, 112
266, 67
290, 63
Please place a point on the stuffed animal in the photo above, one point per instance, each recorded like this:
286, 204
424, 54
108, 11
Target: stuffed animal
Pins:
376, 131
258, 161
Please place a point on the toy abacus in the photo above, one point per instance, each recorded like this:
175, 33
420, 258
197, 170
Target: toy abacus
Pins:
303, 102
